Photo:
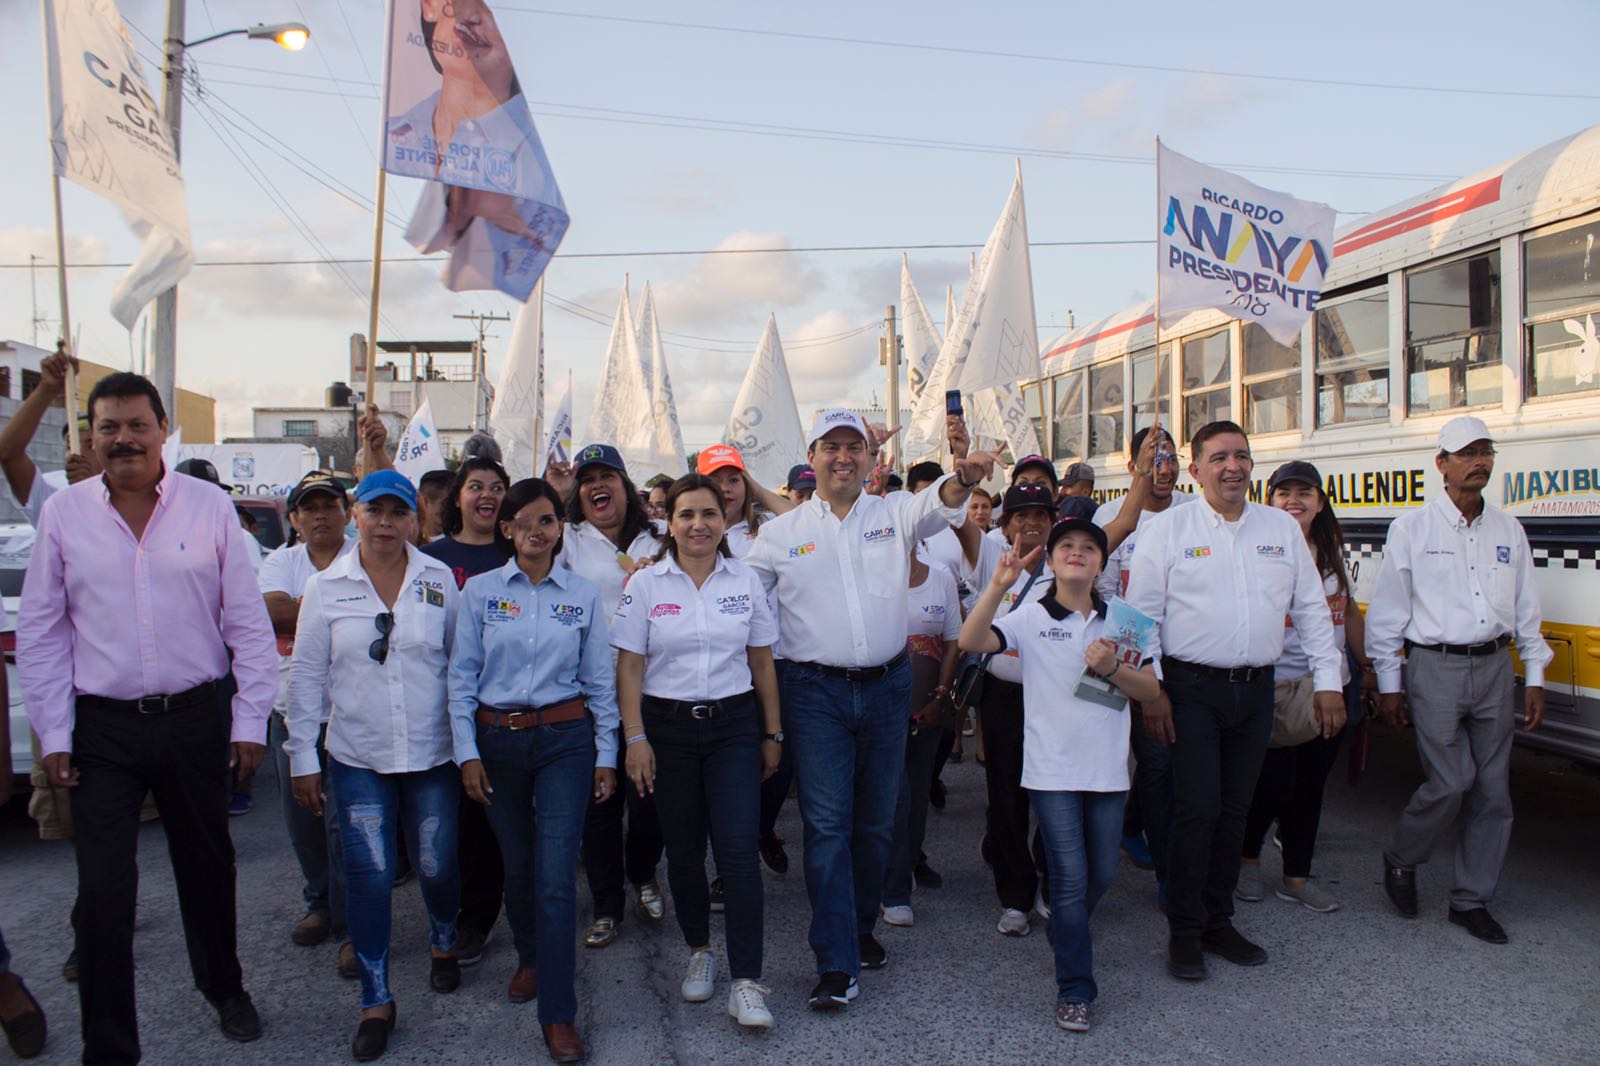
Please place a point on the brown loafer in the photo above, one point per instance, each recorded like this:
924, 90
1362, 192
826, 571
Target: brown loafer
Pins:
348, 967
564, 1043
524, 985
312, 930
26, 1031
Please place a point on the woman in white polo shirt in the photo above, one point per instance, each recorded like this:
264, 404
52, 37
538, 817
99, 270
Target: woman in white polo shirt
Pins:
1075, 752
699, 702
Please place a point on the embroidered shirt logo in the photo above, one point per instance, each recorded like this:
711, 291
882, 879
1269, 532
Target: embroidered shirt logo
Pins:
1055, 633
803, 549
665, 610
739, 604
873, 536
500, 609
1270, 551
933, 610
1502, 553
1202, 552
568, 614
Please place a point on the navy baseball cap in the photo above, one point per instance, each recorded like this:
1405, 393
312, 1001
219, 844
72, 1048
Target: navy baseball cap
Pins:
1295, 470
204, 470
1077, 507
382, 483
802, 477
317, 481
1076, 525
1034, 460
598, 455
1021, 497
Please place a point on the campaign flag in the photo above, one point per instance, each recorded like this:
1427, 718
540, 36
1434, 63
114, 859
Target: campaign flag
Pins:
992, 340
1003, 418
664, 412
418, 451
1226, 243
107, 135
622, 416
519, 394
558, 446
765, 423
455, 115
921, 339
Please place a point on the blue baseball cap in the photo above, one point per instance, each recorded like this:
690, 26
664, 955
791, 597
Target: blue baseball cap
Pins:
598, 455
381, 483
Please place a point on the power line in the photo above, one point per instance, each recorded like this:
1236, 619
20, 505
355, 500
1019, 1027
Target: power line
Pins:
825, 38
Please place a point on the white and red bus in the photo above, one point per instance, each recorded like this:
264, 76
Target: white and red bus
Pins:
1480, 296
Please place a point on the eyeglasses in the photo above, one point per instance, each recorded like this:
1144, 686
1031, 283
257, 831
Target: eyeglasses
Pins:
379, 649
1475, 453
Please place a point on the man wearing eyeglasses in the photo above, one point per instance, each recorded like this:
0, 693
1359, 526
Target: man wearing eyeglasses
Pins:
1455, 589
137, 592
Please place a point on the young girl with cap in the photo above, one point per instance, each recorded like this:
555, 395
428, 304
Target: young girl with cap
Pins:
1075, 753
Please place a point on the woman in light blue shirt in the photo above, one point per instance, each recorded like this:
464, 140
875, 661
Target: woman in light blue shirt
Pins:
534, 712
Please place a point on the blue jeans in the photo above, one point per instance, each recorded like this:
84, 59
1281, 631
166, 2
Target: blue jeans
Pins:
370, 807
542, 779
314, 838
849, 742
1082, 832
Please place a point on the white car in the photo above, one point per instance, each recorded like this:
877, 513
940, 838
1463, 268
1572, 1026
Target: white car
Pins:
16, 548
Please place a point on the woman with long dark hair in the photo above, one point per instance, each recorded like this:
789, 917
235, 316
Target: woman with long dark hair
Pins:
1297, 764
699, 704
534, 714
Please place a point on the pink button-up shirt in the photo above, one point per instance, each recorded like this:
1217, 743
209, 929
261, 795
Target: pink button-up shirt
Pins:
107, 614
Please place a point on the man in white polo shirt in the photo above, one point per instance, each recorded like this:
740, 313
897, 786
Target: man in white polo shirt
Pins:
840, 563
1455, 589
1219, 577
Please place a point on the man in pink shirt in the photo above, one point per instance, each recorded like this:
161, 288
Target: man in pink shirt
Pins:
136, 594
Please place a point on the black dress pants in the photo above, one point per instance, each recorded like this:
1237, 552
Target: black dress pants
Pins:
483, 875
1018, 868
608, 855
181, 758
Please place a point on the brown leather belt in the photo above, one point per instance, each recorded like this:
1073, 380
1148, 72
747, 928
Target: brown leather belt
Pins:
532, 717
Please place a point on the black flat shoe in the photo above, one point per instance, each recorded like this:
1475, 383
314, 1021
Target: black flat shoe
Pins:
1232, 945
372, 1036
238, 1018
1184, 960
1480, 924
27, 1031
445, 974
1400, 883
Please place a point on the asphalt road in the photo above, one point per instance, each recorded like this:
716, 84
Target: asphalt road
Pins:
1360, 985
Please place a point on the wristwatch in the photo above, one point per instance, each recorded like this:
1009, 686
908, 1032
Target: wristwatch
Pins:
776, 738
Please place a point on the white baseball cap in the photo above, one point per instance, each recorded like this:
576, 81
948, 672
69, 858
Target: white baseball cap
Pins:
1462, 431
833, 418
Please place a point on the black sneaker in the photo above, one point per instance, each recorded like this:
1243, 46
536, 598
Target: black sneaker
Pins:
469, 946
1400, 882
1232, 945
873, 957
717, 897
772, 853
834, 989
1184, 960
1480, 924
927, 876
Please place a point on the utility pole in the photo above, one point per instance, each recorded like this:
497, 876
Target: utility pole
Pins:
889, 355
164, 361
480, 409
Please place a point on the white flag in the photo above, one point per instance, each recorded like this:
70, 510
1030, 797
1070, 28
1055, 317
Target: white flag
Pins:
765, 423
1226, 243
664, 412
418, 451
622, 414
519, 394
558, 445
106, 135
992, 340
921, 339
1003, 417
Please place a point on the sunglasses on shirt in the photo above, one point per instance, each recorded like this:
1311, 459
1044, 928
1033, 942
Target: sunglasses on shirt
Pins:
379, 649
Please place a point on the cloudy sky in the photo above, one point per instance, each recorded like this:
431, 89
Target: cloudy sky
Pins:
699, 125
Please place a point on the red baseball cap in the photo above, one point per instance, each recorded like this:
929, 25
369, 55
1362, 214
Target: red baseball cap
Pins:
718, 456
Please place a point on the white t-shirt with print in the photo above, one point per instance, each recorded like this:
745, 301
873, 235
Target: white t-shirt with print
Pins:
1295, 662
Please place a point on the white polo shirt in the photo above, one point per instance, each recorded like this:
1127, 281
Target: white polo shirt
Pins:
1113, 581
390, 717
1447, 581
289, 570
589, 553
1220, 589
694, 640
842, 585
1068, 744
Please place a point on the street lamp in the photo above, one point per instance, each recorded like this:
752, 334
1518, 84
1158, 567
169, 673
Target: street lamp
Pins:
290, 35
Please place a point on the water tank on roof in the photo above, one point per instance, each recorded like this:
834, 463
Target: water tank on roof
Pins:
339, 394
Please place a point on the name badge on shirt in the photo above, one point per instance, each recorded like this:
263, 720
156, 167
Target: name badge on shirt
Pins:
734, 604
500, 609
874, 536
1270, 551
568, 614
1055, 633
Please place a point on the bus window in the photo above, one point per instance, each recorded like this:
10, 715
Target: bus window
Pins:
1105, 408
1066, 440
1030, 403
1206, 377
1453, 334
1152, 384
1271, 382
1353, 359
1562, 274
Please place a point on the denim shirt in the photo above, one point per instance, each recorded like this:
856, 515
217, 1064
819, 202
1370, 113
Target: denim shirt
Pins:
524, 645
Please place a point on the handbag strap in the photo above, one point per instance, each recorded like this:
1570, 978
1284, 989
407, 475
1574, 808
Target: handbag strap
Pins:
983, 660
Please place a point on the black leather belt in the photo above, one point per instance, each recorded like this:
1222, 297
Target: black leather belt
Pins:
1488, 647
860, 673
1234, 675
698, 710
202, 694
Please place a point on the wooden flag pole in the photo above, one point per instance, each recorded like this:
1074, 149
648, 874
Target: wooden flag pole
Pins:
368, 459
71, 395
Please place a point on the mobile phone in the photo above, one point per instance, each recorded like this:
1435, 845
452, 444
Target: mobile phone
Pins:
952, 402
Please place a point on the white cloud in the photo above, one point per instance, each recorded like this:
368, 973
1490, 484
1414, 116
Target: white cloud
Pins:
1200, 101
1106, 111
310, 291
719, 289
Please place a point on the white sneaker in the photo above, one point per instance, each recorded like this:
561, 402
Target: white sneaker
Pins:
1013, 922
747, 1004
898, 915
697, 983
1041, 907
